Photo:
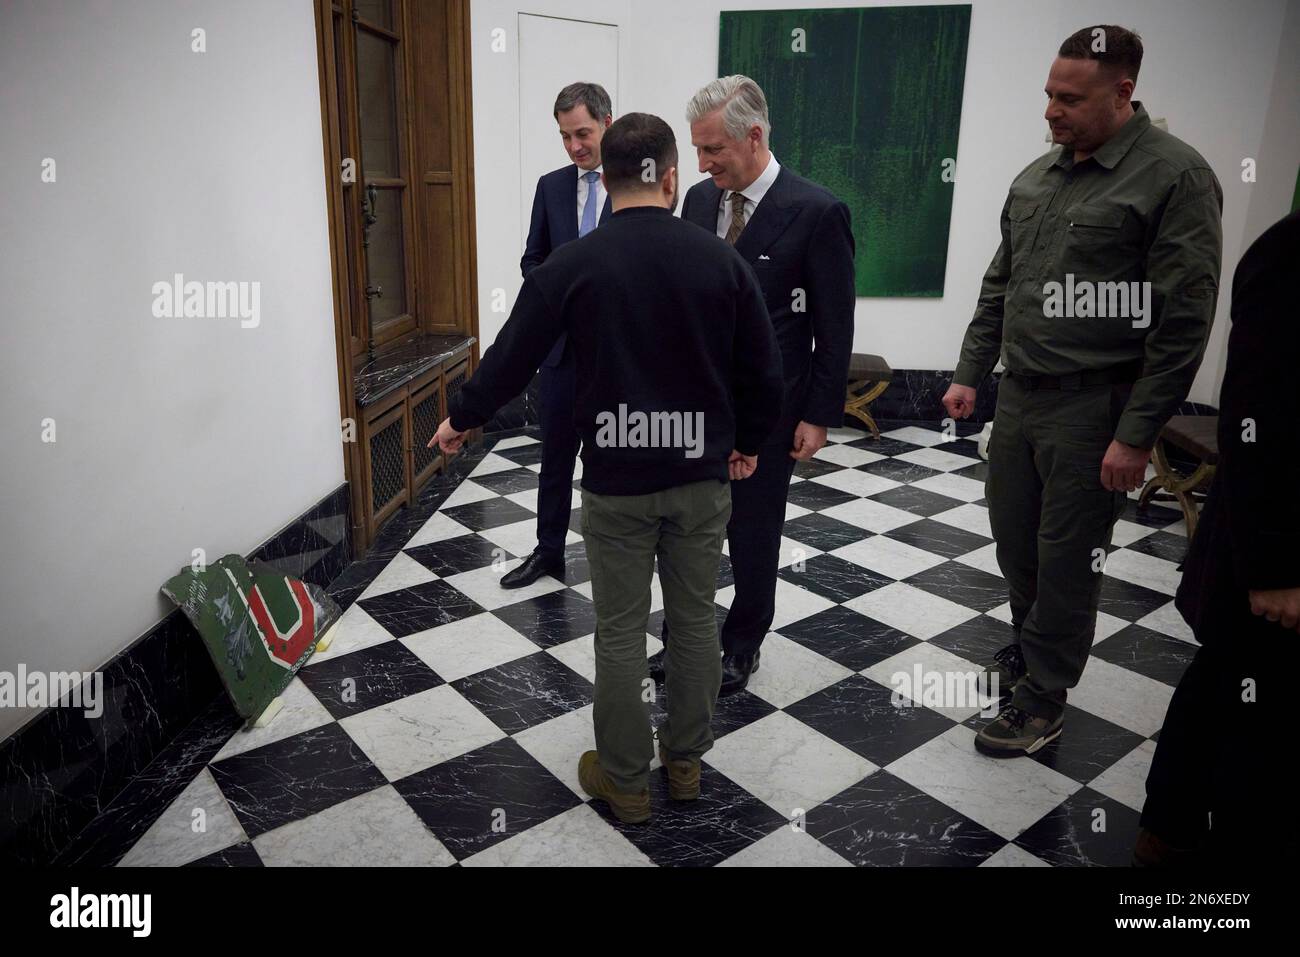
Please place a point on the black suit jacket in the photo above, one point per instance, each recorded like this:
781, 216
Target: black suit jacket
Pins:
799, 238
554, 223
1249, 529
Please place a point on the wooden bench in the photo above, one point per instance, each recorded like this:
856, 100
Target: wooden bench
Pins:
1198, 436
869, 376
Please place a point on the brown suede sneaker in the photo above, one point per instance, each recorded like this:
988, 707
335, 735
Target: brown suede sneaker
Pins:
683, 777
1015, 732
628, 808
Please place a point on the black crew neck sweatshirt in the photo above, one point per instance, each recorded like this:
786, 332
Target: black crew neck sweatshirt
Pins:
669, 331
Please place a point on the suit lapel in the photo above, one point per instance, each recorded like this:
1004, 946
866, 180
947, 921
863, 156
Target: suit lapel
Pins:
605, 210
770, 219
705, 211
568, 197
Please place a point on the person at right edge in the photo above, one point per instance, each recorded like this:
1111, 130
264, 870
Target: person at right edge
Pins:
1214, 792
1082, 400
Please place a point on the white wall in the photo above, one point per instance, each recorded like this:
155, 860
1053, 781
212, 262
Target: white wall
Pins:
1211, 68
172, 434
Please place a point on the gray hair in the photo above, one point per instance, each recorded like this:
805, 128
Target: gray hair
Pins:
590, 95
742, 103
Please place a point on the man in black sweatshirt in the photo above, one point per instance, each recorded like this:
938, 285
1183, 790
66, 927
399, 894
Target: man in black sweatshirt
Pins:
678, 384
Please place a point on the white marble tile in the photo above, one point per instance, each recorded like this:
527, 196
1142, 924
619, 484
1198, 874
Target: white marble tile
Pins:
1012, 856
917, 436
795, 511
579, 654
954, 693
789, 672
514, 442
880, 554
792, 603
846, 455
856, 482
468, 646
402, 572
786, 764
656, 593
973, 518
300, 712
1168, 620
935, 459
872, 515
528, 499
1006, 795
786, 847
198, 823
375, 829
558, 743
483, 585
419, 731
437, 529
845, 434
492, 463
1107, 625
467, 492
577, 838
355, 630
1002, 612
912, 610
1126, 533
1126, 779
1122, 697
954, 486
1145, 570
520, 538
984, 558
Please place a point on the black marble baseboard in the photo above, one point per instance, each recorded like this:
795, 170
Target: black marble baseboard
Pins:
61, 769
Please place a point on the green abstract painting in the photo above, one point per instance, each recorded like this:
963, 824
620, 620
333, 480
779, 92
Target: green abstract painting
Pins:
866, 102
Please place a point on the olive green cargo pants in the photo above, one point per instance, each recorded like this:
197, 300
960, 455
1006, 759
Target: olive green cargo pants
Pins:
1052, 520
684, 527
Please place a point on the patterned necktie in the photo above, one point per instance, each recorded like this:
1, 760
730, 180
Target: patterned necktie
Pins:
589, 207
737, 217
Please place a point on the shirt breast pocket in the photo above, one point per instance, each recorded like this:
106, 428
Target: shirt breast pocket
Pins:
1099, 243
1023, 222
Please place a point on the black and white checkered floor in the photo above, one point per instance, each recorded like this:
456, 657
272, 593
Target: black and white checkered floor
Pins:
444, 724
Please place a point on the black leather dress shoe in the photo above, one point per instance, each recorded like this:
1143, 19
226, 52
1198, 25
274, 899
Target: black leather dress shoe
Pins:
736, 670
534, 567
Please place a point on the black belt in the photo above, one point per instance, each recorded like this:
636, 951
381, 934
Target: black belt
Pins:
1126, 374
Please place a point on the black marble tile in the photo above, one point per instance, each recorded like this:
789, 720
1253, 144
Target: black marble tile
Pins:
1128, 601
722, 821
899, 470
965, 585
464, 553
243, 854
848, 638
420, 607
1147, 652
551, 619
884, 446
918, 501
577, 568
882, 821
489, 513
1162, 544
978, 472
1070, 835
816, 496
486, 796
960, 447
976, 639
365, 679
508, 482
527, 691
823, 532
1151, 516
938, 538
862, 715
815, 467
735, 711
833, 578
292, 779
523, 454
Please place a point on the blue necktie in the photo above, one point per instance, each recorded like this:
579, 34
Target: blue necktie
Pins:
589, 207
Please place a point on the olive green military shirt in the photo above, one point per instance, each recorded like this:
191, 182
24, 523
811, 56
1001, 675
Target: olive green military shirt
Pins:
1066, 291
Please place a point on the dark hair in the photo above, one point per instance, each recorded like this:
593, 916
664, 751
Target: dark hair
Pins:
1122, 49
631, 140
590, 95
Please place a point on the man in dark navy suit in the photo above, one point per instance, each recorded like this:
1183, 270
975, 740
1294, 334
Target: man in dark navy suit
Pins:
570, 202
796, 237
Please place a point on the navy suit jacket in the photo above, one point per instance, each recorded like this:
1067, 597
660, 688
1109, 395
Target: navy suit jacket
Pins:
554, 223
799, 238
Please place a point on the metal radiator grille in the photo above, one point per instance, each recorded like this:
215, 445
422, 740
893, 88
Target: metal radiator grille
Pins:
387, 468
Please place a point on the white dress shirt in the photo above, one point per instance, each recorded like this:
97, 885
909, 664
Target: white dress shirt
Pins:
582, 193
753, 194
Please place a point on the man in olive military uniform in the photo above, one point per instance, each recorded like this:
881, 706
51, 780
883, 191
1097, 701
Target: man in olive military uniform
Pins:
1098, 302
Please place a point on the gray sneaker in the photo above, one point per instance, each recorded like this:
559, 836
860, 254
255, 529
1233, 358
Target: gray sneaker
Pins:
1015, 732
